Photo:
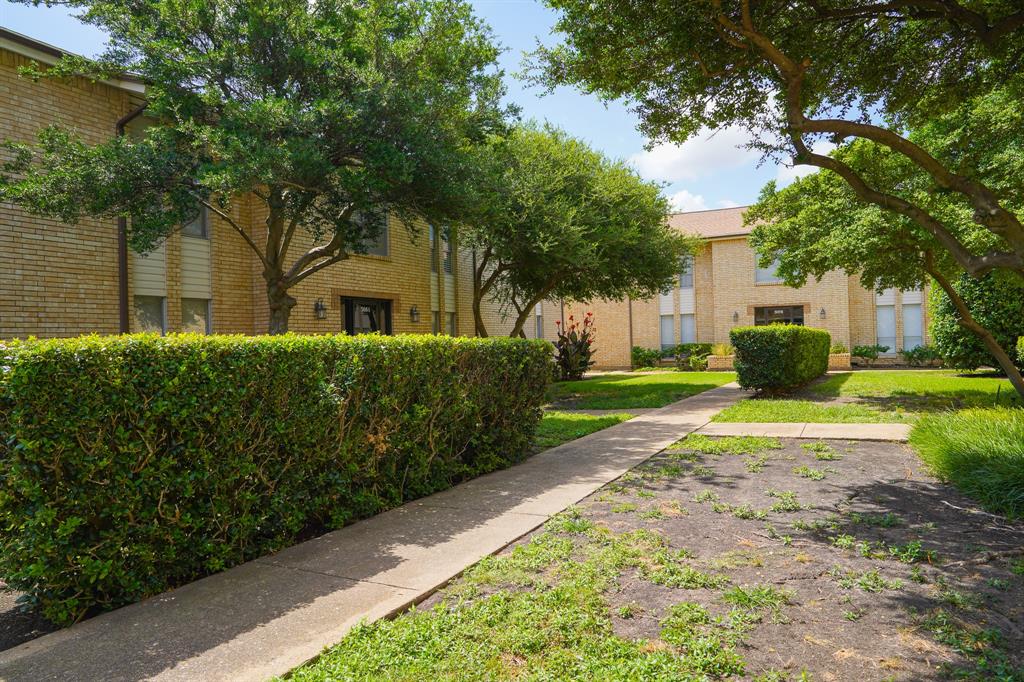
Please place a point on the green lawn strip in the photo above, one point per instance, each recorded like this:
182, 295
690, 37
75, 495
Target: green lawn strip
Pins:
540, 612
919, 390
556, 428
981, 451
634, 390
761, 410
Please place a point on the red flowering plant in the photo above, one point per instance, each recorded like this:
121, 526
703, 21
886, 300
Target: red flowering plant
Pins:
575, 347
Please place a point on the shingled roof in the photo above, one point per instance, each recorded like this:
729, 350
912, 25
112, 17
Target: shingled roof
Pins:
712, 224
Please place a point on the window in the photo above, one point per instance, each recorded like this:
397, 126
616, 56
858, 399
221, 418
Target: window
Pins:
913, 326
668, 332
151, 314
446, 248
367, 315
686, 273
538, 313
885, 327
453, 329
688, 328
195, 315
433, 254
435, 326
198, 227
768, 275
786, 314
378, 245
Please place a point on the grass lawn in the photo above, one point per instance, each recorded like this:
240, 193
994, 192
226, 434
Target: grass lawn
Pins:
561, 427
981, 451
626, 390
875, 396
721, 559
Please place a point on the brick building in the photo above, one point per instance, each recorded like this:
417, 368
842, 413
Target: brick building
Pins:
66, 280
722, 288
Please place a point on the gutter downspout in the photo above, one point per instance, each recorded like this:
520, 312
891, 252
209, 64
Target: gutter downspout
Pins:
629, 351
122, 238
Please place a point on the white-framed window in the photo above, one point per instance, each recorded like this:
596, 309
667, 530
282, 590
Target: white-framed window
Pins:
538, 314
768, 275
432, 231
151, 314
686, 273
688, 328
885, 327
668, 331
195, 315
447, 254
198, 227
913, 326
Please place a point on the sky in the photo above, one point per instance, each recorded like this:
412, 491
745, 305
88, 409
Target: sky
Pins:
707, 172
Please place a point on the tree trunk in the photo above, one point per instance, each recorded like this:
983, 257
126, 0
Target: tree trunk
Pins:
968, 322
281, 304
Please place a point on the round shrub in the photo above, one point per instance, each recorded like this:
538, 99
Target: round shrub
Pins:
778, 357
133, 464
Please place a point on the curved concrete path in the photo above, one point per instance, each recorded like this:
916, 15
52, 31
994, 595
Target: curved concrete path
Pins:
265, 617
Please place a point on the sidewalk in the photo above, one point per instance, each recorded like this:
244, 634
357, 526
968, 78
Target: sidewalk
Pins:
890, 432
265, 617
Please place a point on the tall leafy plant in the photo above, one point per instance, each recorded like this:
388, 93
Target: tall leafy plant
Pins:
574, 348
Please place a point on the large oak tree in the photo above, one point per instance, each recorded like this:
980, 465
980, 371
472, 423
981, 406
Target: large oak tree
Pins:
557, 219
328, 113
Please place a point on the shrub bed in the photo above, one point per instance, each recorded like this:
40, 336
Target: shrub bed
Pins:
136, 463
779, 357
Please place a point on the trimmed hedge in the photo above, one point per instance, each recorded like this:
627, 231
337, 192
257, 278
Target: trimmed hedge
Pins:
779, 357
644, 357
133, 464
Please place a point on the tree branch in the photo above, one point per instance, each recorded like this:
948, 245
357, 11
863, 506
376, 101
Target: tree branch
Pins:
226, 218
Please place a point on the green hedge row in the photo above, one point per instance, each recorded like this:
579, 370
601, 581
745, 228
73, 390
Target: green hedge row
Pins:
779, 357
136, 463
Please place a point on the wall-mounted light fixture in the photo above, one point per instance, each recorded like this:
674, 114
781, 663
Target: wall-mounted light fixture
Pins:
736, 316
320, 309
414, 314
821, 314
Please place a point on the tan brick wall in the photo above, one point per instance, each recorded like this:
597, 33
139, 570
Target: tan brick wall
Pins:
56, 279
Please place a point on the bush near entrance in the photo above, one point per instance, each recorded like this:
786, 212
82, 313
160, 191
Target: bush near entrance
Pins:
136, 463
779, 356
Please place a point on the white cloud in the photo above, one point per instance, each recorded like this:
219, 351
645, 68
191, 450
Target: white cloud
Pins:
727, 203
706, 153
684, 201
789, 173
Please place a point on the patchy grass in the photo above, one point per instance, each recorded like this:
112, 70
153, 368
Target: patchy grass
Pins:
634, 390
792, 410
561, 427
918, 390
726, 445
981, 451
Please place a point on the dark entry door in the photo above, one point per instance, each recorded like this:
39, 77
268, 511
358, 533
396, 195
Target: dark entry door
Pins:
367, 315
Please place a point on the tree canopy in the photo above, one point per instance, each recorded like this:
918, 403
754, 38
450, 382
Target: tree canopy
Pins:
806, 72
558, 219
330, 114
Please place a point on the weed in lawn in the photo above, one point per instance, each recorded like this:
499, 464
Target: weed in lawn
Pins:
1017, 567
571, 521
623, 508
706, 496
822, 451
746, 512
774, 535
707, 642
985, 650
854, 614
737, 559
651, 514
766, 598
1001, 584
645, 494
843, 541
911, 553
887, 520
728, 445
868, 581
630, 610
755, 465
808, 472
917, 575
702, 471
786, 501
667, 569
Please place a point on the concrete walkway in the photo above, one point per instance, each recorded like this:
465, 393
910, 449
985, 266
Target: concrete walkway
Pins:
889, 432
265, 617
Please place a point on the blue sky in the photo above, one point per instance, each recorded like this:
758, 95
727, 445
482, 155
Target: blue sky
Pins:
706, 172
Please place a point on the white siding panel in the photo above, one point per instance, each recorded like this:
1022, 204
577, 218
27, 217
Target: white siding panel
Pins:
666, 304
887, 297
195, 268
434, 300
149, 272
687, 304
910, 297
449, 293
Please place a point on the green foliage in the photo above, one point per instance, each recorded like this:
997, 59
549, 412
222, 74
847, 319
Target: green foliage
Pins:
981, 451
722, 349
869, 353
996, 302
779, 357
322, 113
557, 219
792, 411
838, 348
574, 349
727, 445
920, 356
561, 427
687, 350
136, 463
1020, 350
695, 363
644, 357
624, 391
